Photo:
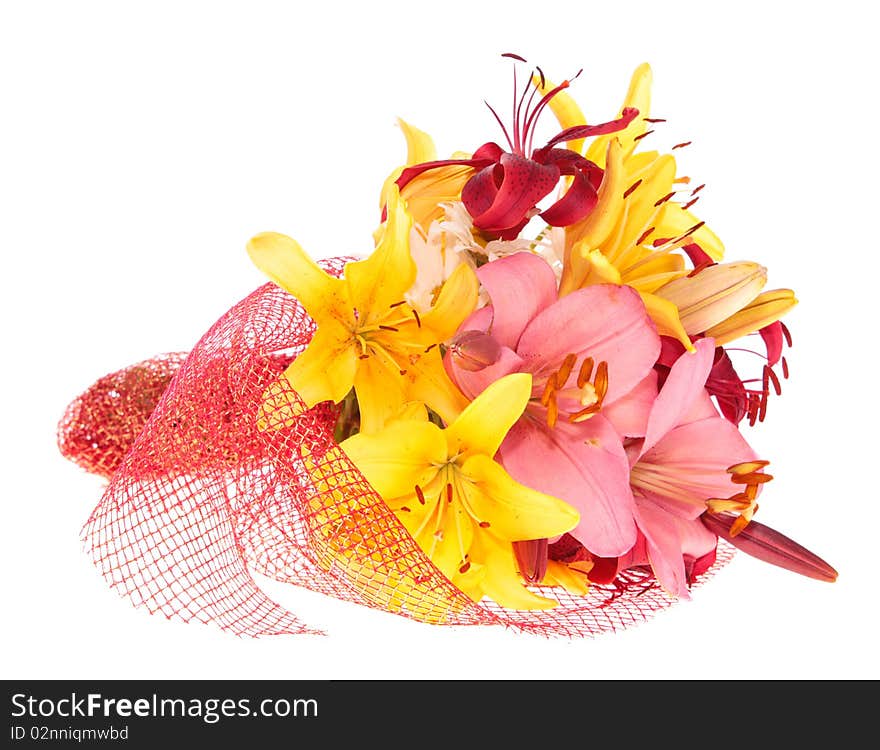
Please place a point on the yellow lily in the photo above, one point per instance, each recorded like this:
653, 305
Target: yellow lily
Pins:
368, 337
425, 194
615, 242
460, 506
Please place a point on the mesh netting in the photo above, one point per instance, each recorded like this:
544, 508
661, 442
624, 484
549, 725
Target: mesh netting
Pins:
199, 498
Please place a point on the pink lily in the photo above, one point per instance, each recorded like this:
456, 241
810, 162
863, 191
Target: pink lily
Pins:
690, 456
585, 352
503, 193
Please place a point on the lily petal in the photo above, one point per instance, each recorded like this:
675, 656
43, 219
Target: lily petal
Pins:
482, 425
675, 221
380, 393
480, 191
697, 475
419, 145
501, 581
572, 580
578, 202
283, 260
425, 194
685, 383
457, 299
605, 322
629, 415
585, 465
523, 184
664, 550
381, 280
515, 512
474, 382
665, 314
325, 371
419, 148
592, 231
403, 455
639, 97
519, 286
426, 380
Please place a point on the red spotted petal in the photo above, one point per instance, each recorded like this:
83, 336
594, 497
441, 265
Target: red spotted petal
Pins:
577, 202
480, 191
523, 183
489, 151
586, 131
570, 162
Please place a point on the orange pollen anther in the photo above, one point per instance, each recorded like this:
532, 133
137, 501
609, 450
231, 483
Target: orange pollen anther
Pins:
586, 372
747, 467
749, 473
588, 394
549, 390
600, 382
567, 366
552, 413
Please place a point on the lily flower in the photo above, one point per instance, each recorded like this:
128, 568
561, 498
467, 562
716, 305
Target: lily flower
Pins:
368, 337
503, 192
691, 459
457, 502
631, 235
585, 352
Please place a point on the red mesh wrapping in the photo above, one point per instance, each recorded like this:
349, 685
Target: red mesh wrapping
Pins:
202, 497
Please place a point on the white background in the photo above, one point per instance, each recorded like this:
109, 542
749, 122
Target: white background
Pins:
142, 144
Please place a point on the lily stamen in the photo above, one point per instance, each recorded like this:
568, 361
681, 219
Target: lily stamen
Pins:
751, 474
564, 371
589, 395
552, 413
549, 390
585, 372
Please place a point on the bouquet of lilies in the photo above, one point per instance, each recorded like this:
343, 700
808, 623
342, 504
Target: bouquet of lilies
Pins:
527, 389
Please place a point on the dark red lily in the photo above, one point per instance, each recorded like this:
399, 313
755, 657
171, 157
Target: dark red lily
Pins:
503, 194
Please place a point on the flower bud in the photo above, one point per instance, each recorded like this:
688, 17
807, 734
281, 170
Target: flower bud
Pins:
770, 546
474, 350
531, 559
766, 308
714, 294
